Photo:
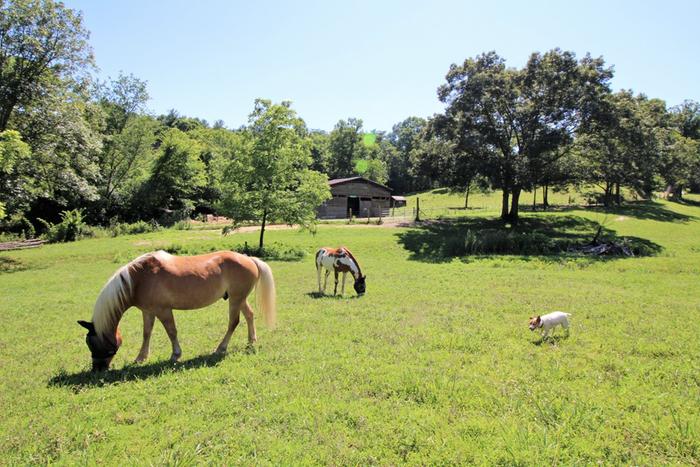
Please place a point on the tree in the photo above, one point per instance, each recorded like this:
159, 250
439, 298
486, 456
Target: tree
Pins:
13, 152
128, 137
62, 128
41, 42
176, 177
405, 136
524, 120
272, 181
345, 147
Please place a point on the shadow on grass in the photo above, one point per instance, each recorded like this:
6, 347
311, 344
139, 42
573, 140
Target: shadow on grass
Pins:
8, 265
545, 237
318, 295
551, 339
644, 210
686, 202
135, 372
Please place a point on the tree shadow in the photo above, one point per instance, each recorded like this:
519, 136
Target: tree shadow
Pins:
8, 265
549, 238
318, 295
644, 210
134, 371
686, 202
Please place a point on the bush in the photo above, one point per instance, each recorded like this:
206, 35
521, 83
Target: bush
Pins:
273, 251
116, 229
19, 226
71, 228
183, 225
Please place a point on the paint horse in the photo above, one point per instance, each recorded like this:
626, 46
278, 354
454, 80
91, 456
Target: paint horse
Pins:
339, 260
158, 282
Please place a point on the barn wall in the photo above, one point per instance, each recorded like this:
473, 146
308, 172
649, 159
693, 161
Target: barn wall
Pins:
374, 200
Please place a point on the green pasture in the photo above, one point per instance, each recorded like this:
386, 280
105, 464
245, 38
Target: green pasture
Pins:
434, 365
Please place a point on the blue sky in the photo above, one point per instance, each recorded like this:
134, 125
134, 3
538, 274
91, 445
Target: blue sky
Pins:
380, 61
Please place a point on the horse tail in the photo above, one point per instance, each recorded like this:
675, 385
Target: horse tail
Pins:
113, 300
265, 291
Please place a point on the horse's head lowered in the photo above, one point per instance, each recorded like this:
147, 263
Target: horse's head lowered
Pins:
102, 349
359, 285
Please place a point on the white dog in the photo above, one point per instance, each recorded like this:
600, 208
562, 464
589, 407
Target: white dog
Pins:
549, 321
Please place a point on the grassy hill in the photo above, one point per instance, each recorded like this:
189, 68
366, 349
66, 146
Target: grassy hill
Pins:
434, 365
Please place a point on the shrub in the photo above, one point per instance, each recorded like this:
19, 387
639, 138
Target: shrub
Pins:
116, 229
18, 225
71, 228
183, 225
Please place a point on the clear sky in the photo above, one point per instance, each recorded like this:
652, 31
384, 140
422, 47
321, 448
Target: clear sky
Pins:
380, 61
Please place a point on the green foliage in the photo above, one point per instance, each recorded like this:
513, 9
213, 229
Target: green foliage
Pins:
42, 42
511, 125
17, 224
177, 176
116, 229
271, 180
71, 228
346, 146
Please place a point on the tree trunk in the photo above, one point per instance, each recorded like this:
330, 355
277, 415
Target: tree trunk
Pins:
545, 196
618, 198
677, 192
513, 215
504, 204
262, 230
534, 198
466, 197
608, 191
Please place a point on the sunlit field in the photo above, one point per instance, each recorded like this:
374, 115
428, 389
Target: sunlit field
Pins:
434, 365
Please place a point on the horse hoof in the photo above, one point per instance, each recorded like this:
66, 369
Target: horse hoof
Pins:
220, 351
175, 357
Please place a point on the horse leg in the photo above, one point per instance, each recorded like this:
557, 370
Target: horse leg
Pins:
168, 320
248, 314
325, 280
335, 290
318, 276
234, 316
342, 289
148, 320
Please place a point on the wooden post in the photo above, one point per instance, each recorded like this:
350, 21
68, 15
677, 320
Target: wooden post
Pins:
417, 209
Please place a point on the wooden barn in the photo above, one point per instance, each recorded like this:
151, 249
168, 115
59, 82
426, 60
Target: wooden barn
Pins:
357, 196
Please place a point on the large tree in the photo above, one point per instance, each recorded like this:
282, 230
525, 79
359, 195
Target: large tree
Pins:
346, 147
524, 120
405, 137
41, 42
272, 181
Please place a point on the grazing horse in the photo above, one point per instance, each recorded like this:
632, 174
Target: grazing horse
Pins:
158, 282
339, 260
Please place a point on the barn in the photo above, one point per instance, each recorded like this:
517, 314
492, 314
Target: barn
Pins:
357, 196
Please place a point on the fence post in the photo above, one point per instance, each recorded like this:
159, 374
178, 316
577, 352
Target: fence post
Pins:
417, 209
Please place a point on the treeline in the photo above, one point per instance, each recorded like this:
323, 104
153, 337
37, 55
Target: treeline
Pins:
71, 142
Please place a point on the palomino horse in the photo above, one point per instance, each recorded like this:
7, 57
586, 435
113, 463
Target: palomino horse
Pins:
339, 260
158, 282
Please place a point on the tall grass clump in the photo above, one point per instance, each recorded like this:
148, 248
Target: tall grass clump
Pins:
71, 228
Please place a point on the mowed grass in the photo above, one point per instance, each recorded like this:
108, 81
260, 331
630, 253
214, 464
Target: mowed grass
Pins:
434, 365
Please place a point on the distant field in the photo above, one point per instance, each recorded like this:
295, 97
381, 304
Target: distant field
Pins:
434, 365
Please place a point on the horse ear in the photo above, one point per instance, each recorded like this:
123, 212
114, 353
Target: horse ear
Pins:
87, 325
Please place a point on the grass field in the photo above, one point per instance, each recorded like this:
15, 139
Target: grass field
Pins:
434, 365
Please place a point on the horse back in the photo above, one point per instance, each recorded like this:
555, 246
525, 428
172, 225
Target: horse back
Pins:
188, 282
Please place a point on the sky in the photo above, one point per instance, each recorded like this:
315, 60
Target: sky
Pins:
380, 61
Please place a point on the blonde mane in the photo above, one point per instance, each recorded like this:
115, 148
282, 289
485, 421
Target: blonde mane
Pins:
113, 300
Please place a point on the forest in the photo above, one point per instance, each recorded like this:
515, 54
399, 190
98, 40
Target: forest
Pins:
78, 149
